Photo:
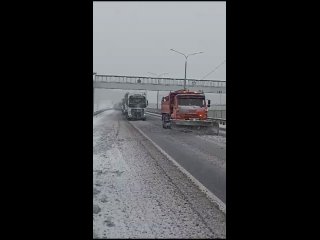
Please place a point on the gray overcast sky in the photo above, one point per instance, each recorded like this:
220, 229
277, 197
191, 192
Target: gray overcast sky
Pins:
134, 38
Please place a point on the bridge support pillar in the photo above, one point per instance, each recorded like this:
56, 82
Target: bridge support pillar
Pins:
157, 99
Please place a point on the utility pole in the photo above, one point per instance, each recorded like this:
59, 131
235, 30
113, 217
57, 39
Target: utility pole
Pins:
157, 99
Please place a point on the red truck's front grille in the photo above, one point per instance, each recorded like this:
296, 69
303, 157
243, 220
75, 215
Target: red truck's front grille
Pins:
187, 116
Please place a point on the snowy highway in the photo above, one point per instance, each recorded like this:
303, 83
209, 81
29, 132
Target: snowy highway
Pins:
139, 193
204, 156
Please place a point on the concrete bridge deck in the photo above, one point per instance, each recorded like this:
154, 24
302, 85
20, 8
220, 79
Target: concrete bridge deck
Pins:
157, 84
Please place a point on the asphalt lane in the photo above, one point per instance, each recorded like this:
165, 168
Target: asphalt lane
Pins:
203, 158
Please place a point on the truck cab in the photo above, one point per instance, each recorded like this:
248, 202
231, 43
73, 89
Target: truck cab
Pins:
189, 106
185, 107
135, 105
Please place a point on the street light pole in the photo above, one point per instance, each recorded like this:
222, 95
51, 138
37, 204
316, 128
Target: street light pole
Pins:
220, 105
94, 74
185, 65
185, 74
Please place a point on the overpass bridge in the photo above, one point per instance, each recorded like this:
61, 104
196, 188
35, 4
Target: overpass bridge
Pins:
157, 84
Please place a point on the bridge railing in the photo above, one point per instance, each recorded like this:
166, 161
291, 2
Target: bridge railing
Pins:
159, 81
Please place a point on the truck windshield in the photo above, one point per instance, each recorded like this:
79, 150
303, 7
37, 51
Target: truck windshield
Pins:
191, 102
138, 102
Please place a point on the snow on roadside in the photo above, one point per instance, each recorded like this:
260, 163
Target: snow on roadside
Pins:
98, 121
98, 118
98, 105
134, 198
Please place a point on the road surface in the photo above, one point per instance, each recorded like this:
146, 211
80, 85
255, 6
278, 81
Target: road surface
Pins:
201, 155
139, 193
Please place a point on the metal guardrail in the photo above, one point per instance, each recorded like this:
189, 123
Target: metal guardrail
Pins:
159, 81
100, 111
221, 120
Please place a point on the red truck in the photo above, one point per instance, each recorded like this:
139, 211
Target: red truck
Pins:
187, 109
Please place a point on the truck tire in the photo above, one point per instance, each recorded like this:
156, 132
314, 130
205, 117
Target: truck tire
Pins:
166, 121
163, 122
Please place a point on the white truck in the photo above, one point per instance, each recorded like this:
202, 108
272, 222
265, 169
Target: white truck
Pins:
134, 105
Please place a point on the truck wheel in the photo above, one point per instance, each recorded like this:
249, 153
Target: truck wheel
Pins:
164, 124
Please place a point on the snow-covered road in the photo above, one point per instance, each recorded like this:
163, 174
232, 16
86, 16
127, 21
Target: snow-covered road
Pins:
139, 193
